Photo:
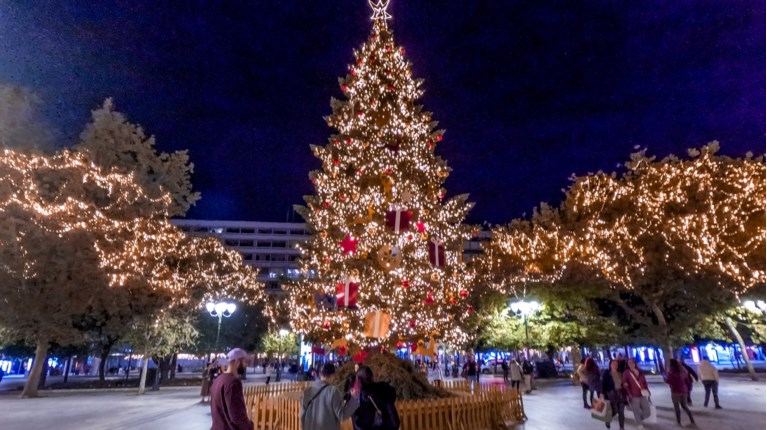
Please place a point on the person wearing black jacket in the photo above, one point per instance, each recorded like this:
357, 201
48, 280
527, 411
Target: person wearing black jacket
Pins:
377, 409
612, 391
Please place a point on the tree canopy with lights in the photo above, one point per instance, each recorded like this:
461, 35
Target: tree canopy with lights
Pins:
384, 262
671, 240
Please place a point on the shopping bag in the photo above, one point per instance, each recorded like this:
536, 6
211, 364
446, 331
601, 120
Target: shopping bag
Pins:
601, 411
653, 418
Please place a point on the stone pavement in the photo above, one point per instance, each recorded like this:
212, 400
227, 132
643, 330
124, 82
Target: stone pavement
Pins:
555, 405
559, 405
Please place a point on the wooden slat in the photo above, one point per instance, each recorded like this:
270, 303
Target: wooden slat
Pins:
490, 407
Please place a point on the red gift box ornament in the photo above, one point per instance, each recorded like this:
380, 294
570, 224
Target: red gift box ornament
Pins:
436, 253
398, 219
346, 293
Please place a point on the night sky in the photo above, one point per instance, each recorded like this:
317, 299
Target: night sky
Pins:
528, 91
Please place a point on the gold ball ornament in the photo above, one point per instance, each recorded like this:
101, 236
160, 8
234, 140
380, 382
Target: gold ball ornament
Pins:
354, 274
435, 276
389, 257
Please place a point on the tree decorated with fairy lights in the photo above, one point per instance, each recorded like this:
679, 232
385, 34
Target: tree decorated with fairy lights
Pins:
386, 245
667, 243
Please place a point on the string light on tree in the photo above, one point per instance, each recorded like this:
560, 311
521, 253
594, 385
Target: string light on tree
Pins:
379, 200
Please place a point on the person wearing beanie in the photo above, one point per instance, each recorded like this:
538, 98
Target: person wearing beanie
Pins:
227, 402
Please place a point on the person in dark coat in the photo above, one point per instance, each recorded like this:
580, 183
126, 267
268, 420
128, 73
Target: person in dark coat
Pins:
690, 376
377, 409
612, 391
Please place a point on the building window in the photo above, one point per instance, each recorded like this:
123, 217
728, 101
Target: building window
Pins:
262, 244
231, 242
278, 245
246, 243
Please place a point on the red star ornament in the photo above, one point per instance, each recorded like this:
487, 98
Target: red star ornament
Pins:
349, 244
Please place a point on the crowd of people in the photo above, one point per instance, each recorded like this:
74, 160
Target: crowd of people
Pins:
624, 384
370, 403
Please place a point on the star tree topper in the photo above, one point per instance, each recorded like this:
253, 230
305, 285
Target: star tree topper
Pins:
379, 10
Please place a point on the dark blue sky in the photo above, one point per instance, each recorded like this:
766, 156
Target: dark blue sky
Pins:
529, 92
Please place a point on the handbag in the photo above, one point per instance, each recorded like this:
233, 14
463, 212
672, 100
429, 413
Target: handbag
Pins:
653, 418
645, 393
602, 411
378, 418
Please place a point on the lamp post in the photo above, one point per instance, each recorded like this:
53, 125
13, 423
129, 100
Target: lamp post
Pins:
525, 309
282, 334
220, 310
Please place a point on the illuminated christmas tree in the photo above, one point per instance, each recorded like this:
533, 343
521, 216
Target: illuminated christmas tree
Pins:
384, 263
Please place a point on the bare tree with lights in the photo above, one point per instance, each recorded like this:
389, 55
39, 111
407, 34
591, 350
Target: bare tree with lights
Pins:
384, 262
670, 241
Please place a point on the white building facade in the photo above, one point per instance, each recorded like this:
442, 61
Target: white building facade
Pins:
272, 247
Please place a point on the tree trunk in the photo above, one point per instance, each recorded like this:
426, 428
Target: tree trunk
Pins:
127, 369
173, 367
41, 353
157, 374
664, 341
43, 374
106, 348
66, 369
144, 369
739, 339
163, 365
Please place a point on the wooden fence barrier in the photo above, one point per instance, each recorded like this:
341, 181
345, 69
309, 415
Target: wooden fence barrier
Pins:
490, 407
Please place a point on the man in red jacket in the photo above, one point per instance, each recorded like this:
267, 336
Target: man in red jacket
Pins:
227, 403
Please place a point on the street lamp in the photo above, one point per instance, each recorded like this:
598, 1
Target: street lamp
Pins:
220, 310
282, 334
526, 309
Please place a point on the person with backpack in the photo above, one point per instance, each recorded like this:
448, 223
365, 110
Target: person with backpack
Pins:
377, 410
323, 407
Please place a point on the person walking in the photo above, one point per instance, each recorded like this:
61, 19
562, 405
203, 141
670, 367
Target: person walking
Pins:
710, 378
612, 390
677, 381
323, 407
505, 368
227, 402
377, 409
516, 374
527, 373
691, 375
593, 378
470, 370
635, 384
205, 388
583, 379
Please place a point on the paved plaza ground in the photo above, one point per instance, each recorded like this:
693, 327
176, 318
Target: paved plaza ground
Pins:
555, 405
